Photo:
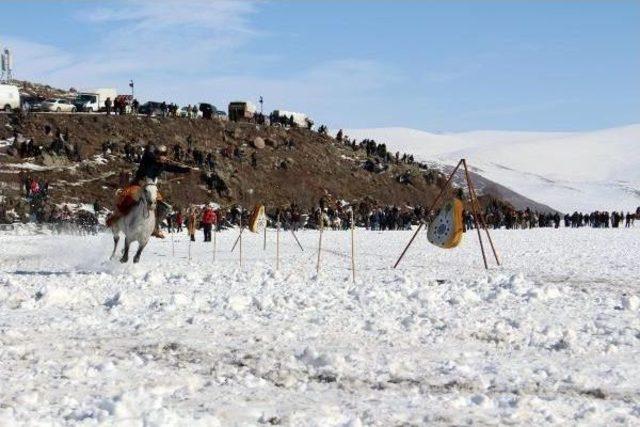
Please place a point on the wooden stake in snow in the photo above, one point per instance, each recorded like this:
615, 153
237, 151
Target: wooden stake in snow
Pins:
264, 243
475, 214
474, 198
353, 257
320, 241
215, 240
297, 241
233, 248
240, 237
278, 243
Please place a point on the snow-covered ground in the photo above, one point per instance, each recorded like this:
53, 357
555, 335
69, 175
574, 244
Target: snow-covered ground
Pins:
582, 171
552, 337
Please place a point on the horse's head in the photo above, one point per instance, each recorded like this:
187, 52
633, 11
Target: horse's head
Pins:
150, 194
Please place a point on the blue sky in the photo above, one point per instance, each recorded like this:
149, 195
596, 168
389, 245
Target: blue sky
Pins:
438, 66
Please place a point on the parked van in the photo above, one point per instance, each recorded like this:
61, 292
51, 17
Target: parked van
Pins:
93, 100
9, 97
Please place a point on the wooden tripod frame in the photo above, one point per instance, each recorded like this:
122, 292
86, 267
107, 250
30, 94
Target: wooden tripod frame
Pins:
478, 217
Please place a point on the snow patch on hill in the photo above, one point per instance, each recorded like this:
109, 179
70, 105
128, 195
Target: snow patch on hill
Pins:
565, 170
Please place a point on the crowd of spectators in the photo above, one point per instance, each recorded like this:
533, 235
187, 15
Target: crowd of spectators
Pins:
40, 209
337, 216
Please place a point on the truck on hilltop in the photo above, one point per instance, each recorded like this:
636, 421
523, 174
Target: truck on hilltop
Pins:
93, 100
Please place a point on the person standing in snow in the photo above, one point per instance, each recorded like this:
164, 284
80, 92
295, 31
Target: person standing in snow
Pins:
208, 220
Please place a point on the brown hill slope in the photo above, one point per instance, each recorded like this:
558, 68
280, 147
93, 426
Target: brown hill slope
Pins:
316, 166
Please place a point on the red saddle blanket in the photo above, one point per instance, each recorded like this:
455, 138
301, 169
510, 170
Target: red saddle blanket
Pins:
126, 198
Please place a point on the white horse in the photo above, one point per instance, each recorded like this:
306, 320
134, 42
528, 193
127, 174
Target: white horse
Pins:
138, 224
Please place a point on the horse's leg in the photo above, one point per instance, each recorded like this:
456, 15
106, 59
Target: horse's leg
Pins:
125, 254
141, 246
116, 239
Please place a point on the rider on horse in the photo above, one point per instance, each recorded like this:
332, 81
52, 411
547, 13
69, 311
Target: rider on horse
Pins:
154, 161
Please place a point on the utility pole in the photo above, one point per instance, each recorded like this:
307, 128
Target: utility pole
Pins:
261, 101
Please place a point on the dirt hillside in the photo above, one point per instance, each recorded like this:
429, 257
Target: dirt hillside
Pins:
295, 164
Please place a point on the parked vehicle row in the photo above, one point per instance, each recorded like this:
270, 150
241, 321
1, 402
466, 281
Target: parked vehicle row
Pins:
97, 100
58, 105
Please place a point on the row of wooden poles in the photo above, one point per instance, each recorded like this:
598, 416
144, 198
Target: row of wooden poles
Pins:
478, 219
238, 244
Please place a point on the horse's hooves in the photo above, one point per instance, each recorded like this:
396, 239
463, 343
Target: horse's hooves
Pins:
135, 260
123, 260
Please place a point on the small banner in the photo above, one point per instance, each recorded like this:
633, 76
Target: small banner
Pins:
446, 229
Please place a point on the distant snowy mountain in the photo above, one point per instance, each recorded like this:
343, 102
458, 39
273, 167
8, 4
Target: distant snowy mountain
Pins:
565, 170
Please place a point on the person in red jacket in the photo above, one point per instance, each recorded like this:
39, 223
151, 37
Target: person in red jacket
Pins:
208, 220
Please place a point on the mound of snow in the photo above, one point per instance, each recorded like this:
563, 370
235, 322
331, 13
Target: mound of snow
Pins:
565, 170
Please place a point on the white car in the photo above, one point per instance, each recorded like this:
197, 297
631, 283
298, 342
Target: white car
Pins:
58, 105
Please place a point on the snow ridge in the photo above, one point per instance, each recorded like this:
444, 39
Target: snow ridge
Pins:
568, 171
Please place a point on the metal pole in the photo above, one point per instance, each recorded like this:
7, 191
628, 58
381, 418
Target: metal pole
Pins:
475, 214
482, 221
437, 199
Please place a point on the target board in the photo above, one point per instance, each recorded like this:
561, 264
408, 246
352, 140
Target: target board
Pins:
257, 219
446, 229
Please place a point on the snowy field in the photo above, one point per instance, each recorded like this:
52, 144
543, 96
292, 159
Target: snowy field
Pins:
552, 337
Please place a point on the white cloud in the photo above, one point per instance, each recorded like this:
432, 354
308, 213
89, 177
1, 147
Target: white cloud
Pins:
220, 15
191, 52
144, 37
171, 36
